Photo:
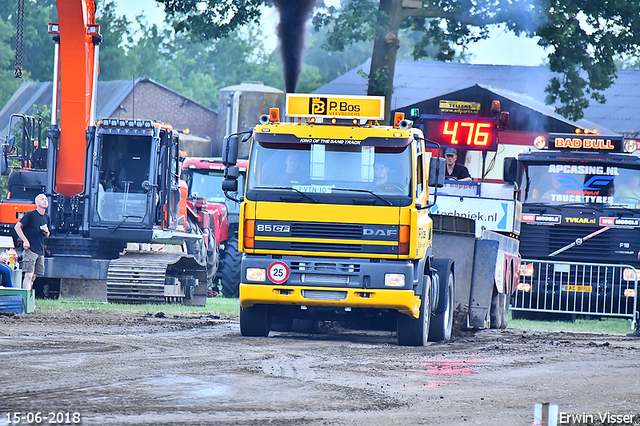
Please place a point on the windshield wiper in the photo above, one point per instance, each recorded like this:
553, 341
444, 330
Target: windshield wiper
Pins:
621, 207
367, 191
541, 206
125, 217
289, 188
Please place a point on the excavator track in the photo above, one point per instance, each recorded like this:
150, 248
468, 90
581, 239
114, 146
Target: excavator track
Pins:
153, 277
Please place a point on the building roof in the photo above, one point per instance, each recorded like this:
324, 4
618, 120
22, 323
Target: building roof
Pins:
416, 81
110, 96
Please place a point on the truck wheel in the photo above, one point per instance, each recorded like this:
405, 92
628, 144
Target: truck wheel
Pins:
495, 315
415, 332
505, 311
442, 321
254, 321
229, 271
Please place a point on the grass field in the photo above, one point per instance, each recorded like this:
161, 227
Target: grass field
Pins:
605, 325
229, 308
215, 306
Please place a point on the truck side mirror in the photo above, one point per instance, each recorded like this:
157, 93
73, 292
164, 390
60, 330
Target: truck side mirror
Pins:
8, 147
437, 167
230, 150
510, 170
230, 182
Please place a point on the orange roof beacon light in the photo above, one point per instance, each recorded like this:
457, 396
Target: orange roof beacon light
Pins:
540, 142
495, 107
274, 115
630, 145
578, 131
397, 118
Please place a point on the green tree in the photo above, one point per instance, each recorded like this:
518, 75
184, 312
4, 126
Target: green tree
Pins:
37, 52
115, 62
583, 37
8, 84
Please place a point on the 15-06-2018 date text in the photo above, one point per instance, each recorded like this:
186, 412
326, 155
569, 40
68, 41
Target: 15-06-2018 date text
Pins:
38, 418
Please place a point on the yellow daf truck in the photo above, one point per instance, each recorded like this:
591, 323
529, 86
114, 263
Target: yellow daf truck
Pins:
335, 225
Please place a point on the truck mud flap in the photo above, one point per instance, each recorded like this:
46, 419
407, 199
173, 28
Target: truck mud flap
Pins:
482, 282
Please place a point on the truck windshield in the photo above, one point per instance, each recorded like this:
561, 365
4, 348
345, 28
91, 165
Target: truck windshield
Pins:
591, 184
208, 184
325, 169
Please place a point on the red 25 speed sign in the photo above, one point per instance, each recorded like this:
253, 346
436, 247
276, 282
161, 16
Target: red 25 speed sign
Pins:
278, 272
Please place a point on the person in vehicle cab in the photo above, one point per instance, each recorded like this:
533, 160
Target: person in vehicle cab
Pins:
380, 173
289, 173
454, 170
630, 191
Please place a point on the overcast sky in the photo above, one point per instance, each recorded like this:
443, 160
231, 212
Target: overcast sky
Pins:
502, 48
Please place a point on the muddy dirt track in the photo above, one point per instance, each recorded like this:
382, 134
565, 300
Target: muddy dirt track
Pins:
136, 369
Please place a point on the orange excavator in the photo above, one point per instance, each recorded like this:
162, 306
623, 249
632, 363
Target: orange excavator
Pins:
119, 220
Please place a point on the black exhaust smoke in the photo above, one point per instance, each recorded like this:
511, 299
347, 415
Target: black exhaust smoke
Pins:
291, 33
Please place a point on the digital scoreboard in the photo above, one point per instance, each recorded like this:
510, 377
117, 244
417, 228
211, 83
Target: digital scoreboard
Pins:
460, 132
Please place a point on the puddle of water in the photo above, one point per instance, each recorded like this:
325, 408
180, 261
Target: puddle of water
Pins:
185, 386
450, 367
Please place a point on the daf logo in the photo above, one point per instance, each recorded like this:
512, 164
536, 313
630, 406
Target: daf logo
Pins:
379, 232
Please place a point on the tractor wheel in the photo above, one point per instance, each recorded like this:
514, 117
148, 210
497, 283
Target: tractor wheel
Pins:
196, 248
213, 258
229, 270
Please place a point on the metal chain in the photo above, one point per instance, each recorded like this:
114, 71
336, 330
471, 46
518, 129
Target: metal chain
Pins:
17, 73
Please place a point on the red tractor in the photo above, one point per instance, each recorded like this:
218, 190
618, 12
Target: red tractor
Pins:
217, 213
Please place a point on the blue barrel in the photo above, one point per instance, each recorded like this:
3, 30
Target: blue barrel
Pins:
12, 303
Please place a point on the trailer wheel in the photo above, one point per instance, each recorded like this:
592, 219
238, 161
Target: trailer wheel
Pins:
229, 270
415, 332
254, 321
442, 321
495, 315
505, 311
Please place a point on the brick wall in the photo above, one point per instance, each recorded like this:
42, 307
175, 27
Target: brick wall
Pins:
155, 102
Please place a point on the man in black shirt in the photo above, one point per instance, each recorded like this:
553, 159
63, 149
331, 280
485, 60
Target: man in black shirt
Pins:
455, 171
32, 230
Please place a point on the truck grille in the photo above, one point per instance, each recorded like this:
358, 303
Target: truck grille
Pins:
326, 230
616, 245
324, 295
325, 267
324, 237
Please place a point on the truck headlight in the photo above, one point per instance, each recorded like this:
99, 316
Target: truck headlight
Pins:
394, 280
629, 274
630, 292
524, 287
256, 274
526, 269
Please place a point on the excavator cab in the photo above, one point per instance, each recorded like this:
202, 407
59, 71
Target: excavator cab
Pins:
135, 185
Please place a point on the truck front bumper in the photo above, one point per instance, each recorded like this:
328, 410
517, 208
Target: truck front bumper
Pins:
403, 301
